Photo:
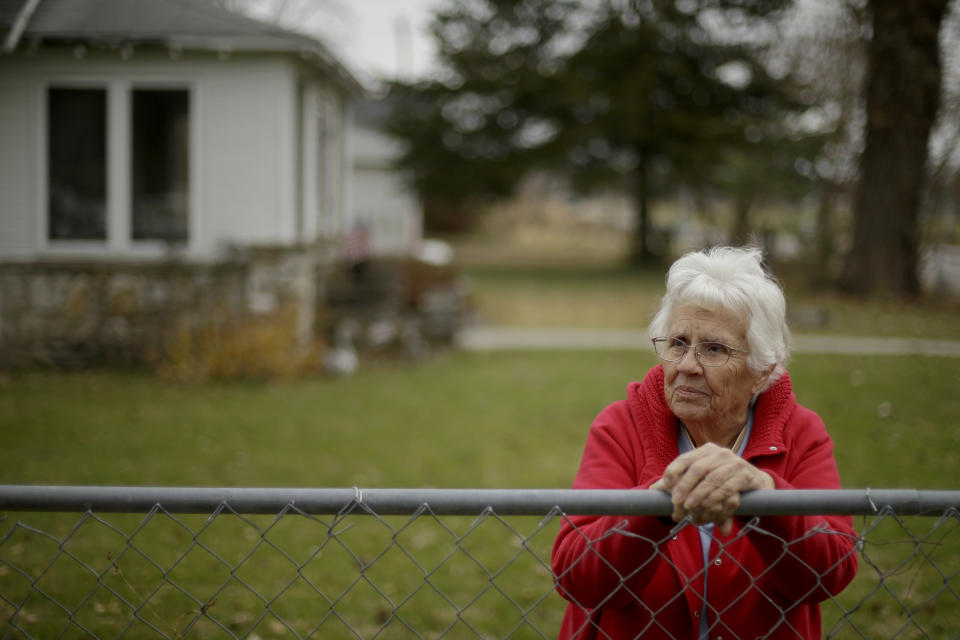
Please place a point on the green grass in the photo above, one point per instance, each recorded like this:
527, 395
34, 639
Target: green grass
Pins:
461, 420
467, 420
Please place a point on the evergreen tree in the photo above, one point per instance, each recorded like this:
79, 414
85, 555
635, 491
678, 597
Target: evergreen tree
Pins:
669, 95
649, 96
474, 132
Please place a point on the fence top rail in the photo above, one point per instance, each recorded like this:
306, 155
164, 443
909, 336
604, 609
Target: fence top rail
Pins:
250, 500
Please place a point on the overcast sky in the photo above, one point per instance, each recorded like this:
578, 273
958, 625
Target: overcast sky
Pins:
390, 36
374, 37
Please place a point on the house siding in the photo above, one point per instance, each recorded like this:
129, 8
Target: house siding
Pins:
247, 131
18, 167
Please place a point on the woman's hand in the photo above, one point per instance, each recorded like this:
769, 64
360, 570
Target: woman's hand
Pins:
706, 484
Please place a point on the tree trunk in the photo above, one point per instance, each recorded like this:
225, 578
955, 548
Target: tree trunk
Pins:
740, 227
640, 253
903, 91
825, 245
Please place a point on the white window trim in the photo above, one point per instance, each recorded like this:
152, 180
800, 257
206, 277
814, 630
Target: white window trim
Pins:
119, 243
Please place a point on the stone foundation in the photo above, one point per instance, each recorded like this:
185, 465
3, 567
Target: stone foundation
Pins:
74, 314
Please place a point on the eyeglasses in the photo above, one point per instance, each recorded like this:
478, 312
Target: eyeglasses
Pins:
709, 354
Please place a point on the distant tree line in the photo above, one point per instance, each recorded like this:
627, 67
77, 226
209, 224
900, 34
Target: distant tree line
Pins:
736, 100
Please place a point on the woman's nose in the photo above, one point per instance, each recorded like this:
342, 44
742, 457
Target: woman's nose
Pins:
689, 360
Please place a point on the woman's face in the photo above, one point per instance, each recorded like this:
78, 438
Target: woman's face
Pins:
712, 400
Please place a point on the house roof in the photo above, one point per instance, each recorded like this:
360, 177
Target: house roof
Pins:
179, 24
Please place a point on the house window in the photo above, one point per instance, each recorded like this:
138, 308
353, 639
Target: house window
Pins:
160, 164
77, 166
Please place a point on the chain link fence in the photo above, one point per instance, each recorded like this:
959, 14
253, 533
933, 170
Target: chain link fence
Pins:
134, 562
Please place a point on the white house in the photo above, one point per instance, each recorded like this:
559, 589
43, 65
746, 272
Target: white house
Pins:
133, 128
140, 134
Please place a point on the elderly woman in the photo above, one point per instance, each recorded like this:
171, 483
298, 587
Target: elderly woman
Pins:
716, 418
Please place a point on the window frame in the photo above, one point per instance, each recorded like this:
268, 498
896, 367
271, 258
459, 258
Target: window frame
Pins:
119, 240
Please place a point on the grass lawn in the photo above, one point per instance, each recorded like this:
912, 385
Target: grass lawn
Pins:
460, 420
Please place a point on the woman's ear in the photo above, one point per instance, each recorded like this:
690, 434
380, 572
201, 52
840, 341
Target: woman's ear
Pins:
762, 378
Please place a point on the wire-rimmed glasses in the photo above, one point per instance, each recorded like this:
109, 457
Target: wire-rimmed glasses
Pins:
708, 353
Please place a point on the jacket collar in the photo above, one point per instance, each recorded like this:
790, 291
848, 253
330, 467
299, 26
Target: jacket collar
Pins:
659, 427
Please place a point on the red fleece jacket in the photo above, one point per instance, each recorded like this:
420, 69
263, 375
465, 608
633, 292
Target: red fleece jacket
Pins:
629, 577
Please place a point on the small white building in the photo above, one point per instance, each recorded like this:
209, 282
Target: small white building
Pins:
137, 128
380, 197
141, 135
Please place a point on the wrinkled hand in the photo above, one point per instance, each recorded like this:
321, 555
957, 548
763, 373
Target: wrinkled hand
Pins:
706, 484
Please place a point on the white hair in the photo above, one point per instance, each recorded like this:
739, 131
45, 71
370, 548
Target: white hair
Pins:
732, 279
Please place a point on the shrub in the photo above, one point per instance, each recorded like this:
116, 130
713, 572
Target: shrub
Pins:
238, 348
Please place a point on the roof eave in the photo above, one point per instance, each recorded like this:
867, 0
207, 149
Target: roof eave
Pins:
311, 53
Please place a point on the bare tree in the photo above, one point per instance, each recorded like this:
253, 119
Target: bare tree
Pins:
826, 41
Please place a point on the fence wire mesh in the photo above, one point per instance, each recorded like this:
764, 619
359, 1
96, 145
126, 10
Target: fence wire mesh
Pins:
236, 564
